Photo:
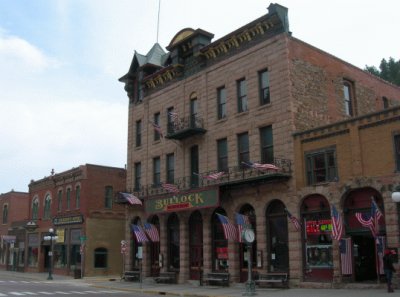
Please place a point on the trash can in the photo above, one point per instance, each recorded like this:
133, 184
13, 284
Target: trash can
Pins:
77, 273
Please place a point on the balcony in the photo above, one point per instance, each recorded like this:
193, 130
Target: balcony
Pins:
234, 176
186, 127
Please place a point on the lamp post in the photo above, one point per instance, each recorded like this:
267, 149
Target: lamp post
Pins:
50, 237
396, 195
248, 236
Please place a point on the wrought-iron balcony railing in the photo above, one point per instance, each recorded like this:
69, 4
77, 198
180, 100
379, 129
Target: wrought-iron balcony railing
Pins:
233, 176
185, 127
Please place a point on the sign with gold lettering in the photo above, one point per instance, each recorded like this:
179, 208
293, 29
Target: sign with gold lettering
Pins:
78, 219
192, 200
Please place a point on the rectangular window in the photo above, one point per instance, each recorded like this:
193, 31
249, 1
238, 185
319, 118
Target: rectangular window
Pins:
193, 112
263, 80
138, 133
221, 101
321, 166
242, 95
243, 148
194, 166
137, 173
108, 197
348, 94
267, 145
68, 198
59, 201
78, 197
156, 171
170, 168
170, 120
222, 154
157, 135
397, 151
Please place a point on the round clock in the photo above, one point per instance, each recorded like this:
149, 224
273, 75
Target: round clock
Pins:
248, 235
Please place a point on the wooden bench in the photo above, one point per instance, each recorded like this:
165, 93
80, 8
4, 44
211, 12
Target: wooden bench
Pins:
278, 278
221, 278
166, 277
131, 275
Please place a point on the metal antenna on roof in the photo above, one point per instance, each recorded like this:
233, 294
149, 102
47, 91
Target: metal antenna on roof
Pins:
158, 19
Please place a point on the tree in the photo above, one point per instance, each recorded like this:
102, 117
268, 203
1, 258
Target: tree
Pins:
388, 70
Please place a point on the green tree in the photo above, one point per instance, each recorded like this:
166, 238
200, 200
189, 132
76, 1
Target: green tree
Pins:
388, 70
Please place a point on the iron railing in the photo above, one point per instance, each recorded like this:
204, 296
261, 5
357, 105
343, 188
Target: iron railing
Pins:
185, 123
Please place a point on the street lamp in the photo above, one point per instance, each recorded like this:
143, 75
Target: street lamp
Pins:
396, 195
50, 237
31, 226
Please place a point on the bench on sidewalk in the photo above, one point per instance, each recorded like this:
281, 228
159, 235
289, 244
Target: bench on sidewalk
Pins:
168, 277
221, 278
278, 278
131, 275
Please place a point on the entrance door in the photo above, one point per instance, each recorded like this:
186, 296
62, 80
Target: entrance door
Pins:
195, 245
154, 259
364, 258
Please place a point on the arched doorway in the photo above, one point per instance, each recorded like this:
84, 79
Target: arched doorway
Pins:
248, 211
317, 256
367, 249
154, 247
173, 242
277, 237
219, 252
195, 245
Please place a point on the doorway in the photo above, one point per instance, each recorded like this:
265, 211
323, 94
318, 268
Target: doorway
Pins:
364, 258
195, 245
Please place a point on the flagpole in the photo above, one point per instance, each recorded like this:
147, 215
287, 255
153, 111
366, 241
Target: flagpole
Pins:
158, 18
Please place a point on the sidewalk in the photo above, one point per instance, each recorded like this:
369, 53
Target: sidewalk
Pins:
191, 290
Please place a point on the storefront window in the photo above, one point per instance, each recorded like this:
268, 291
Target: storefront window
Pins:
33, 250
21, 254
60, 256
220, 245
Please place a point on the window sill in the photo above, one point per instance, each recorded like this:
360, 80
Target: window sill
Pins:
239, 114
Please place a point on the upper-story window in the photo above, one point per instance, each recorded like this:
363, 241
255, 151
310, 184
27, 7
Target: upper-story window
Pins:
137, 175
47, 207
385, 102
263, 81
170, 168
267, 145
78, 197
157, 134
348, 96
397, 151
194, 108
59, 200
242, 95
5, 213
222, 154
243, 148
68, 198
35, 208
138, 133
321, 166
108, 196
171, 119
221, 102
156, 171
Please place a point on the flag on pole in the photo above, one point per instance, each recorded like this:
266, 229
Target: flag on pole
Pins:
242, 223
139, 234
345, 248
157, 128
260, 166
370, 221
337, 224
213, 176
380, 248
132, 199
152, 232
170, 188
376, 214
294, 220
230, 231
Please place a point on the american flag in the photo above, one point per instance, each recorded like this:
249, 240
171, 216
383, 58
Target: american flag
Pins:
152, 232
294, 220
345, 248
170, 188
380, 248
214, 176
139, 234
337, 224
158, 129
371, 220
230, 231
242, 223
132, 199
260, 166
376, 214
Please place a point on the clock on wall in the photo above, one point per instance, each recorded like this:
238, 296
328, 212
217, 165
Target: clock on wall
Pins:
248, 235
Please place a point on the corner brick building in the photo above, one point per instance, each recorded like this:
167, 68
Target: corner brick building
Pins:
208, 106
79, 205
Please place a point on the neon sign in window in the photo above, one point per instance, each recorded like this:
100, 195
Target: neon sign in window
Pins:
318, 227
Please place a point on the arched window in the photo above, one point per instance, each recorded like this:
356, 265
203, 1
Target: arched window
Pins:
77, 197
59, 201
35, 209
100, 258
219, 243
5, 213
68, 198
47, 205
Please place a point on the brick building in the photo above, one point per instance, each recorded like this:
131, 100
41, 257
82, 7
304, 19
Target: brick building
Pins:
79, 205
13, 216
208, 106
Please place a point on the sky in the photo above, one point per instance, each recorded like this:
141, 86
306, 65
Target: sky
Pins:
61, 104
